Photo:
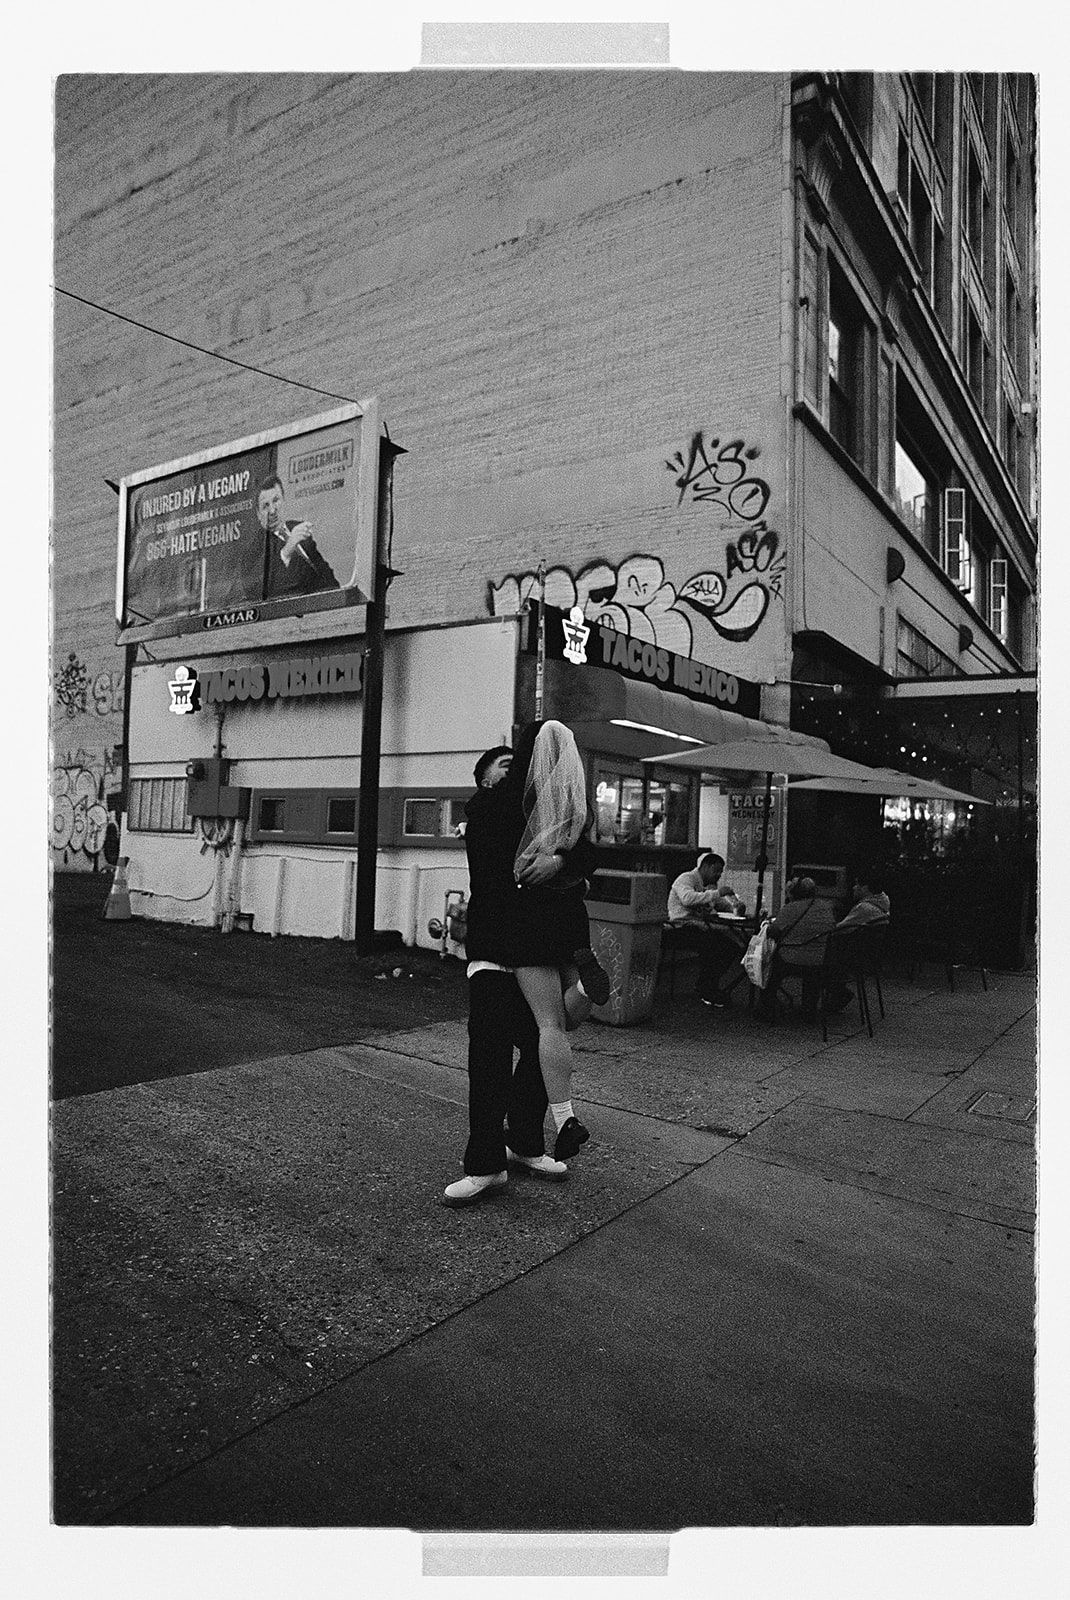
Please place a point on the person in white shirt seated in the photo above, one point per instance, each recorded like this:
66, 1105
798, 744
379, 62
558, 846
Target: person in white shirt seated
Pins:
693, 899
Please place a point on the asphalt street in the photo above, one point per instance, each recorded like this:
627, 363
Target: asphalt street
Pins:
786, 1284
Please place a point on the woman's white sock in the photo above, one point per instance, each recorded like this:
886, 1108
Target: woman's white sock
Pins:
561, 1111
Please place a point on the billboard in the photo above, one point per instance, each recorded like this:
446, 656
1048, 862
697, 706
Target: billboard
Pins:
268, 526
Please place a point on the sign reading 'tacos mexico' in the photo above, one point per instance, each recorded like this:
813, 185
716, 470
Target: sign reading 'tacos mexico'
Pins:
595, 645
267, 680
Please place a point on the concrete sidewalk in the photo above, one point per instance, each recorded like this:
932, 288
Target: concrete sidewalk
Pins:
786, 1283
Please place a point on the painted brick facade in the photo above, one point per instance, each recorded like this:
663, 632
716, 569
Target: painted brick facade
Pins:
552, 281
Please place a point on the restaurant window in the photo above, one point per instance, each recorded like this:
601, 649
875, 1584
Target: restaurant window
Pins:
341, 814
649, 810
420, 818
271, 817
158, 805
846, 367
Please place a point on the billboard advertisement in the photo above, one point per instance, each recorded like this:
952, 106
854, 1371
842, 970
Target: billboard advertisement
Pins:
269, 526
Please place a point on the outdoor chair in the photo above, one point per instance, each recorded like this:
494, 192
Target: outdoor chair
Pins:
853, 955
673, 941
949, 938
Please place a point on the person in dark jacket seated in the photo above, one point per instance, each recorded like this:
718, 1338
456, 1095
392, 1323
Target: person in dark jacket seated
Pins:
800, 930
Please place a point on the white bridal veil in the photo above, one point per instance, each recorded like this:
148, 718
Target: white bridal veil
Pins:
555, 795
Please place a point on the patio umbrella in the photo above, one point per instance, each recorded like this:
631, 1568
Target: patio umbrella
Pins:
771, 750
886, 781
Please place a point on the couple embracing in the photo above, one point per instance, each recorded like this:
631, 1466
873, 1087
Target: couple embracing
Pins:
532, 975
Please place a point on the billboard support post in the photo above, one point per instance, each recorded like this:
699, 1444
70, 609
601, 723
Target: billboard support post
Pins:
372, 713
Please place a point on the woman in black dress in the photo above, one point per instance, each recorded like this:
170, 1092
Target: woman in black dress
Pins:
529, 857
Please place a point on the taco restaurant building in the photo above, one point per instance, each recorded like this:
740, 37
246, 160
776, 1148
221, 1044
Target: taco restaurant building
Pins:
245, 723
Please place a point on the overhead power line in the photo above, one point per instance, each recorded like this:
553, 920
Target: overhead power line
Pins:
200, 349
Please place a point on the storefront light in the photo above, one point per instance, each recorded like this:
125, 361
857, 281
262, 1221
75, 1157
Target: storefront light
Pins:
645, 727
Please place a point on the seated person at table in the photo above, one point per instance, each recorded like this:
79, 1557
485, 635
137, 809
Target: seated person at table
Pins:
870, 907
799, 931
692, 899
869, 901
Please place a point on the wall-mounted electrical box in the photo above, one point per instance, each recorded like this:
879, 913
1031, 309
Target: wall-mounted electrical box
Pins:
208, 792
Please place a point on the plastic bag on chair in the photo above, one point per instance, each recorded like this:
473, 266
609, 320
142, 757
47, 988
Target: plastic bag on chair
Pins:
758, 957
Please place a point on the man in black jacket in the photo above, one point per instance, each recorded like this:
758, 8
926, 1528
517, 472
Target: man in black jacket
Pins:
502, 1102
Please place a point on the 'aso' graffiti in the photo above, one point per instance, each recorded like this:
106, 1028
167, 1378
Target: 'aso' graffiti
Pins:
711, 606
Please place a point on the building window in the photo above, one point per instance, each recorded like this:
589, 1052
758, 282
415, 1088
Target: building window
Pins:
1010, 184
271, 817
158, 805
918, 657
922, 468
1011, 440
857, 91
997, 597
975, 205
923, 232
978, 82
955, 554
421, 818
916, 494
846, 367
810, 307
925, 94
1011, 319
341, 814
975, 353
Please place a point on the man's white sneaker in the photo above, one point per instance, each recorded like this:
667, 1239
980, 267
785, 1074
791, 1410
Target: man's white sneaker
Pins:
541, 1166
468, 1189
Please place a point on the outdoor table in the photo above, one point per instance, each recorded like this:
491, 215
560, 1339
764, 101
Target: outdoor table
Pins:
742, 928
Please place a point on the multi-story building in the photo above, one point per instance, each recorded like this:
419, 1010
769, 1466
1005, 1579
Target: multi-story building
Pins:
744, 364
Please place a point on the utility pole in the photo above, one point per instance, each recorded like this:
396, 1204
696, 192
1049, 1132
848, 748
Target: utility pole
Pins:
372, 704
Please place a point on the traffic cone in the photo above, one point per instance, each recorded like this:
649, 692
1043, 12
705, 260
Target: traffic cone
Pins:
117, 905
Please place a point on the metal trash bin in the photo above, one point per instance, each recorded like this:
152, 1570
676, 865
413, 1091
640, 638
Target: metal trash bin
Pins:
626, 912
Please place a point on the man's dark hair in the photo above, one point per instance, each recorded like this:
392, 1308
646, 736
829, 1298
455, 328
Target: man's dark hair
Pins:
272, 481
872, 877
487, 757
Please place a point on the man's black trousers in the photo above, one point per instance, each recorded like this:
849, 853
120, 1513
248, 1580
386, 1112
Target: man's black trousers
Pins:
499, 1023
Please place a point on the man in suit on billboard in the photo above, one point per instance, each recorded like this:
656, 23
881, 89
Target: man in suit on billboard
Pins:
294, 564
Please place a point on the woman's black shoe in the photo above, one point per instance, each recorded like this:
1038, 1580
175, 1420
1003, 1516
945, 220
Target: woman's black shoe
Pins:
571, 1136
593, 976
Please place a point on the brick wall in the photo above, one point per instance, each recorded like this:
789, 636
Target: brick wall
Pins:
550, 280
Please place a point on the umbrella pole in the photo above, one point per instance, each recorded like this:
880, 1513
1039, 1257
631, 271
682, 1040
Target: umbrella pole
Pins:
540, 647
762, 862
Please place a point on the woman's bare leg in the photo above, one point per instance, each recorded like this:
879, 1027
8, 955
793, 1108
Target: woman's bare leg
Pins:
541, 988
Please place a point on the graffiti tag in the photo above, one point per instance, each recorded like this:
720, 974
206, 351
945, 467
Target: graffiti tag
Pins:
721, 473
693, 618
